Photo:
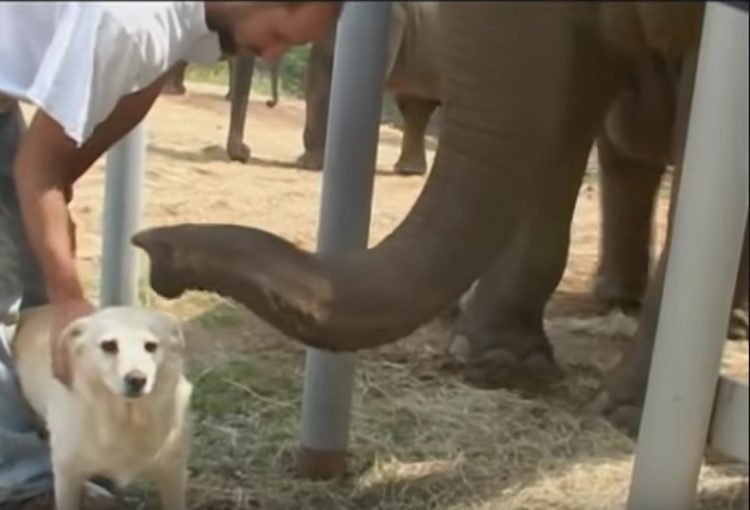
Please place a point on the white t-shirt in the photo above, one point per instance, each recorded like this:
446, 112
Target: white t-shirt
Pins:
75, 60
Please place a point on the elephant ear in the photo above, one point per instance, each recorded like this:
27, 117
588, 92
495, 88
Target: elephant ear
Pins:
395, 36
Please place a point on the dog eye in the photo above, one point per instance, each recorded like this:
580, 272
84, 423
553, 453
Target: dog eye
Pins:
150, 346
109, 346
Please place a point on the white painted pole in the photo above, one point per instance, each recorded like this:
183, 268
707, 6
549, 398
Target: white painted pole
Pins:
349, 168
126, 162
701, 271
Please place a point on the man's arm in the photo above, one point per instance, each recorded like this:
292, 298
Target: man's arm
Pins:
47, 164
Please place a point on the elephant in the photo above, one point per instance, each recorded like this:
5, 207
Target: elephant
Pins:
241, 70
527, 89
412, 77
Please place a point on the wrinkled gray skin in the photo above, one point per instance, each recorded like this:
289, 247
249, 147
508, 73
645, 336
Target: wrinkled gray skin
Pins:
527, 89
241, 70
412, 77
634, 150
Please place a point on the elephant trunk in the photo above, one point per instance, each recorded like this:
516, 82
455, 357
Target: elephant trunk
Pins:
368, 298
501, 133
348, 302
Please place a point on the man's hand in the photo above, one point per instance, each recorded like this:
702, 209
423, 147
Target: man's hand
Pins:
65, 313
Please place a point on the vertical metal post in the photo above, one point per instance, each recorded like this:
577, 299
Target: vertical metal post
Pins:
701, 271
122, 212
350, 154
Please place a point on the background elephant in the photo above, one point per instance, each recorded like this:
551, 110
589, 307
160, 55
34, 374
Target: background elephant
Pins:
241, 70
175, 85
526, 91
412, 77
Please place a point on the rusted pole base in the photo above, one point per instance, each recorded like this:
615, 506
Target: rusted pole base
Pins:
351, 149
320, 464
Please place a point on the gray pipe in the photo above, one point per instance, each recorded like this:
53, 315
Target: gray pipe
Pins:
350, 154
122, 211
699, 283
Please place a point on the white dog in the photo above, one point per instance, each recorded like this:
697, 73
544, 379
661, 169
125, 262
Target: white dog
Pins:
126, 413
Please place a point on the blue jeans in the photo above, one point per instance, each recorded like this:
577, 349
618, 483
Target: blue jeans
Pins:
25, 469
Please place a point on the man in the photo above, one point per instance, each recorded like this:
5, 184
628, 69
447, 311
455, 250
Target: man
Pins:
93, 69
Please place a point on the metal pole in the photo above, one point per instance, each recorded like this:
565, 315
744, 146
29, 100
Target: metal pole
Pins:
350, 154
708, 233
122, 211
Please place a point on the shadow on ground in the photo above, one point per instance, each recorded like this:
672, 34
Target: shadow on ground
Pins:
216, 153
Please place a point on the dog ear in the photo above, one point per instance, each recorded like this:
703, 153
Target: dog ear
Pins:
168, 330
63, 350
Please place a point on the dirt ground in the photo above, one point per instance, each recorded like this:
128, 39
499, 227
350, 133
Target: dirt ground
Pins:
456, 447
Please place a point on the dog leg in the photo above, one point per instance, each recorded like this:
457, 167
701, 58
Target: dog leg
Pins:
171, 482
68, 486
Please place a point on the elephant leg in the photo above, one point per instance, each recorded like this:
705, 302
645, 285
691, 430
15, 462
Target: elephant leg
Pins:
274, 71
416, 113
623, 389
242, 79
230, 65
738, 320
501, 325
628, 199
175, 85
317, 97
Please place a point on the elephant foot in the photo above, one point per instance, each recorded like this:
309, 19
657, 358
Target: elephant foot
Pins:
738, 324
611, 295
310, 161
622, 393
623, 390
237, 150
172, 89
510, 357
228, 96
410, 166
270, 103
625, 414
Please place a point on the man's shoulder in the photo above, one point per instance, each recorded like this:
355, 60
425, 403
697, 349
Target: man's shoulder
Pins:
163, 31
149, 17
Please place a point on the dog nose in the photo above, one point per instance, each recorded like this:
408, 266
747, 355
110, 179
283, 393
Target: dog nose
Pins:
134, 383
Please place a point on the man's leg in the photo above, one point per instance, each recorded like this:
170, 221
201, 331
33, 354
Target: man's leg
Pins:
24, 457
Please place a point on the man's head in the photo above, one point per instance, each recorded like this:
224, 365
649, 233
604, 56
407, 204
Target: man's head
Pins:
268, 29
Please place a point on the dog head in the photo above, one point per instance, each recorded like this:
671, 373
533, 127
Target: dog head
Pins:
124, 350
